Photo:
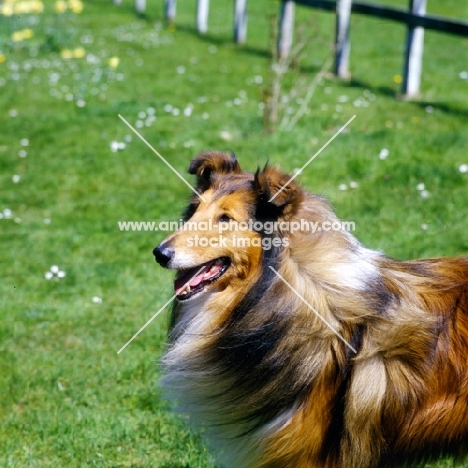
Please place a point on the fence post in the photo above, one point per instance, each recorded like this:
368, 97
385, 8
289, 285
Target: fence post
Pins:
286, 27
170, 10
240, 21
203, 7
140, 6
342, 45
414, 52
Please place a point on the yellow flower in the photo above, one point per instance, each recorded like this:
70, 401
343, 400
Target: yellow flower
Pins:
60, 6
76, 6
37, 6
114, 62
397, 79
28, 33
21, 8
79, 52
66, 54
18, 36
24, 7
7, 9
2, 58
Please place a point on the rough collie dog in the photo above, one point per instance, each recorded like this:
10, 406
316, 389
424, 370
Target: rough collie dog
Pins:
305, 349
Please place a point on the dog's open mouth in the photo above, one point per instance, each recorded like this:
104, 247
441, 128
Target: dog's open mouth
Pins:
193, 281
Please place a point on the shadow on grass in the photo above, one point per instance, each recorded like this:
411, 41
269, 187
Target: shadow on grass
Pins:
150, 401
224, 41
179, 465
387, 91
176, 465
183, 465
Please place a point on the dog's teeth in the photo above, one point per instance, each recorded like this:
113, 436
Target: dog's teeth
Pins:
187, 289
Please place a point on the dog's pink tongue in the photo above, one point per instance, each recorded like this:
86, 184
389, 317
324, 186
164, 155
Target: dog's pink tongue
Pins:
193, 277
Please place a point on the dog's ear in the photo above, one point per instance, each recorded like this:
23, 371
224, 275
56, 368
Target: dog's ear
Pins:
278, 196
210, 163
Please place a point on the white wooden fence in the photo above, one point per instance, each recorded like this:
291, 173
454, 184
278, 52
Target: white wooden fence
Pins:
203, 7
414, 17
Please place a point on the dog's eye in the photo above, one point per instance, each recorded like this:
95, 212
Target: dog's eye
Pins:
224, 218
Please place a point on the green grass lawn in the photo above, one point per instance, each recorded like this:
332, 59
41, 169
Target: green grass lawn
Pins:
67, 398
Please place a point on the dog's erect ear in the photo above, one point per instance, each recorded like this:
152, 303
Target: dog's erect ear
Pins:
210, 163
277, 195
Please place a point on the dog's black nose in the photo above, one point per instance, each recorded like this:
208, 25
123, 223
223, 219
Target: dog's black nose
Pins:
163, 254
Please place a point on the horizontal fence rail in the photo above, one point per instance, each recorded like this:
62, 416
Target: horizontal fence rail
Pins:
436, 23
415, 19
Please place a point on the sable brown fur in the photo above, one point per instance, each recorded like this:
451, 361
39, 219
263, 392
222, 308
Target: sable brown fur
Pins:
269, 382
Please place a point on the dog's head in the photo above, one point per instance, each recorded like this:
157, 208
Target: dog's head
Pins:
223, 239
